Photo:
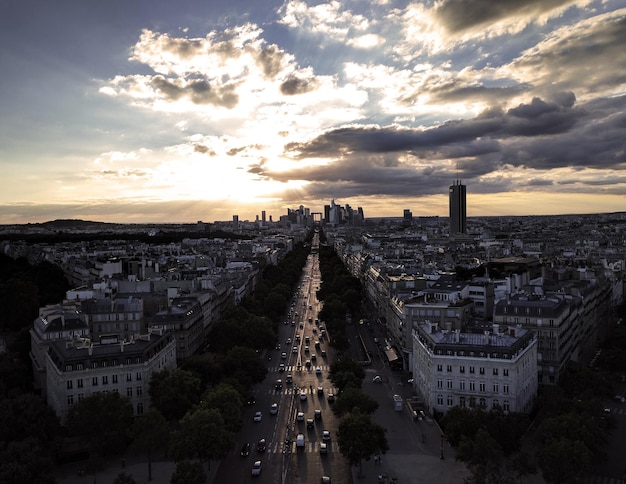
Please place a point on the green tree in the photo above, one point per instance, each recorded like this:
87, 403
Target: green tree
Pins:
354, 399
174, 392
360, 438
123, 478
345, 364
150, 432
188, 473
563, 460
103, 420
228, 401
203, 436
25, 461
484, 459
244, 364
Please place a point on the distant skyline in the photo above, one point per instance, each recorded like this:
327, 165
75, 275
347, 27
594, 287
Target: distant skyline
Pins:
154, 111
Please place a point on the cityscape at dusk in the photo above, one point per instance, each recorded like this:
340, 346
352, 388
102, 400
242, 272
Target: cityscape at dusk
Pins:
159, 112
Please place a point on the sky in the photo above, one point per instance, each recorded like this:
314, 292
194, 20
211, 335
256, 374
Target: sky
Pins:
154, 111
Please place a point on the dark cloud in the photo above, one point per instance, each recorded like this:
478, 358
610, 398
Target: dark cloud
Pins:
271, 60
183, 48
199, 148
462, 15
457, 92
197, 91
295, 85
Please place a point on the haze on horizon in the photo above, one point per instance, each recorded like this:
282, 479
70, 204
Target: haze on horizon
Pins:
159, 111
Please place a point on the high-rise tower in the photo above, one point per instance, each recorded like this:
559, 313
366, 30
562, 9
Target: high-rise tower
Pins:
458, 208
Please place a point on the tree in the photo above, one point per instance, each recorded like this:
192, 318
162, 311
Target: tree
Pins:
228, 401
203, 436
359, 438
174, 392
484, 458
103, 420
345, 364
188, 473
123, 478
564, 460
244, 364
354, 399
25, 461
150, 432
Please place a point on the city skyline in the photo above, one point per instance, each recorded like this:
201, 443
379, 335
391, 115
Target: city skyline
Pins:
158, 112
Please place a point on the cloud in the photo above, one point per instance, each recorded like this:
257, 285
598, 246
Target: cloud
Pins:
198, 91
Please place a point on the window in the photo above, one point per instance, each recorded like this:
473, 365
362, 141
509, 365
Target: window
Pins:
472, 386
129, 392
94, 381
450, 401
482, 371
94, 364
129, 377
81, 396
496, 388
105, 380
69, 384
79, 366
481, 386
138, 376
140, 408
462, 385
114, 378
68, 367
462, 402
505, 372
505, 388
439, 400
449, 384
449, 368
439, 367
505, 406
462, 368
496, 403
482, 402
495, 372
440, 383
139, 391
70, 399
79, 383
472, 369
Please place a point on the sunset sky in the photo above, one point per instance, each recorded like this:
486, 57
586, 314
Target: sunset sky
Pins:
147, 111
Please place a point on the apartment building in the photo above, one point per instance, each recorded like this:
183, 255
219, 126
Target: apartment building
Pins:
80, 367
185, 321
493, 368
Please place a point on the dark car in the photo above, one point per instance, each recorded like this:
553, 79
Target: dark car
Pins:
245, 450
251, 400
261, 445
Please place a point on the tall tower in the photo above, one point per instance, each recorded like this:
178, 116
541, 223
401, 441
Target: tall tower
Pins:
458, 208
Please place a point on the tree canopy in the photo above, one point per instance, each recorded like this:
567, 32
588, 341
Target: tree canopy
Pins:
174, 392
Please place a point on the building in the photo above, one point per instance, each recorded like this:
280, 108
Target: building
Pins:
79, 367
458, 209
490, 369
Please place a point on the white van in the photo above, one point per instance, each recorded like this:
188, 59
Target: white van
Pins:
300, 440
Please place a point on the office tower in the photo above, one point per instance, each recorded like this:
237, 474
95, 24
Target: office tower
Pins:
407, 218
263, 216
458, 208
236, 222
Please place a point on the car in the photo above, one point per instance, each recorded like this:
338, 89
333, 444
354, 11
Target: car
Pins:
294, 350
283, 356
279, 384
323, 353
251, 400
261, 446
323, 448
274, 409
306, 349
309, 423
289, 378
288, 341
377, 379
318, 371
330, 398
301, 325
307, 340
317, 414
303, 396
258, 416
317, 344
320, 390
277, 346
325, 436
300, 417
281, 368
620, 398
325, 480
313, 357
245, 450
256, 468
308, 363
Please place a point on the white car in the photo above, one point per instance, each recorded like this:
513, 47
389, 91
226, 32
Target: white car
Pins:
256, 468
318, 371
377, 379
325, 436
300, 417
303, 396
274, 409
258, 416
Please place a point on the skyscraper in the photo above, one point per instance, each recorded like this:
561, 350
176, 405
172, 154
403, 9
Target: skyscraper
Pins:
458, 208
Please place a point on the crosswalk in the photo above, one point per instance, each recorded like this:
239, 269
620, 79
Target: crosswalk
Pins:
309, 447
618, 410
293, 390
293, 369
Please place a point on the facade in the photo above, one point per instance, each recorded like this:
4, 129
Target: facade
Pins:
184, 319
121, 316
489, 369
79, 367
458, 209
